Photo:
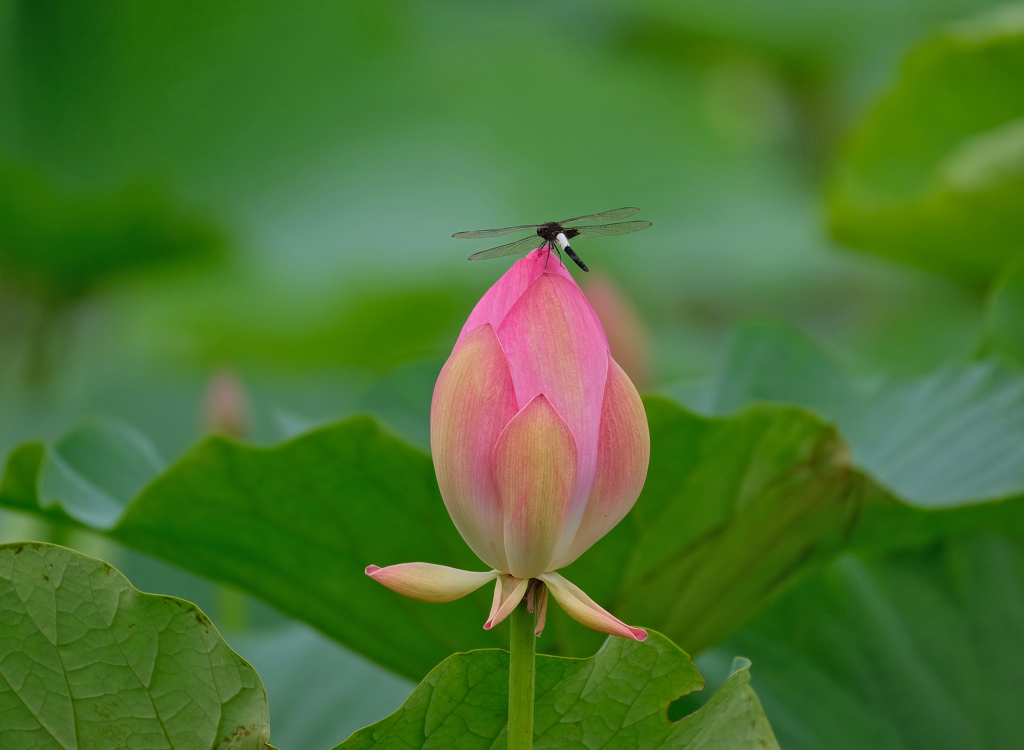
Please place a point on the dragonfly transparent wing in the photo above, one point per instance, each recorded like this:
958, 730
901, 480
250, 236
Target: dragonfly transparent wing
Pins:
519, 246
613, 230
614, 215
478, 234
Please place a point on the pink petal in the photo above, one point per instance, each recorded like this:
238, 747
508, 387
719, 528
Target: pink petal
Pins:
508, 592
430, 583
473, 401
496, 302
555, 346
584, 610
535, 468
623, 453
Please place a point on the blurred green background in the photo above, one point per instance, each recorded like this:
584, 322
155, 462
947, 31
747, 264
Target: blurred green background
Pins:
239, 215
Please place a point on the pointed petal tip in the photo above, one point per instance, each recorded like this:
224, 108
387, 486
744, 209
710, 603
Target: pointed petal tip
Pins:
638, 634
494, 621
371, 569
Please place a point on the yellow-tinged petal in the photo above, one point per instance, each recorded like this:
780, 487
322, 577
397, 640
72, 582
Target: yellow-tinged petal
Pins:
623, 453
585, 610
430, 583
535, 468
473, 401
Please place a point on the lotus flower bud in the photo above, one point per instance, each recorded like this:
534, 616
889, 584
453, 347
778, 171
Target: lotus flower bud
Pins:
226, 405
540, 445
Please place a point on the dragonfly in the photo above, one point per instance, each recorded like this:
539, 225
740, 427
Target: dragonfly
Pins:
557, 234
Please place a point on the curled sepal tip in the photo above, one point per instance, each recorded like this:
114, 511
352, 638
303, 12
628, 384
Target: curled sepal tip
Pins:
586, 611
508, 592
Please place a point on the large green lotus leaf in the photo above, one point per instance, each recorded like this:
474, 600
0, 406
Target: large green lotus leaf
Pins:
90, 663
934, 175
953, 437
918, 650
618, 698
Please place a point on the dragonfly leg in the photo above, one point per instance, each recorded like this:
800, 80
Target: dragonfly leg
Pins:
549, 247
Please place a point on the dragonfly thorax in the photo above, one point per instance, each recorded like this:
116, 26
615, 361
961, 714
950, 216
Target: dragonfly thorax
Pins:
552, 229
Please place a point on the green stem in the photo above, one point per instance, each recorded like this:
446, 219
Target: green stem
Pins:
521, 678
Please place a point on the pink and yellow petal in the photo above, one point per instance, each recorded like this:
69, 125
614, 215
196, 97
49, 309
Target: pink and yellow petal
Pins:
473, 401
584, 610
623, 454
428, 582
508, 592
535, 468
